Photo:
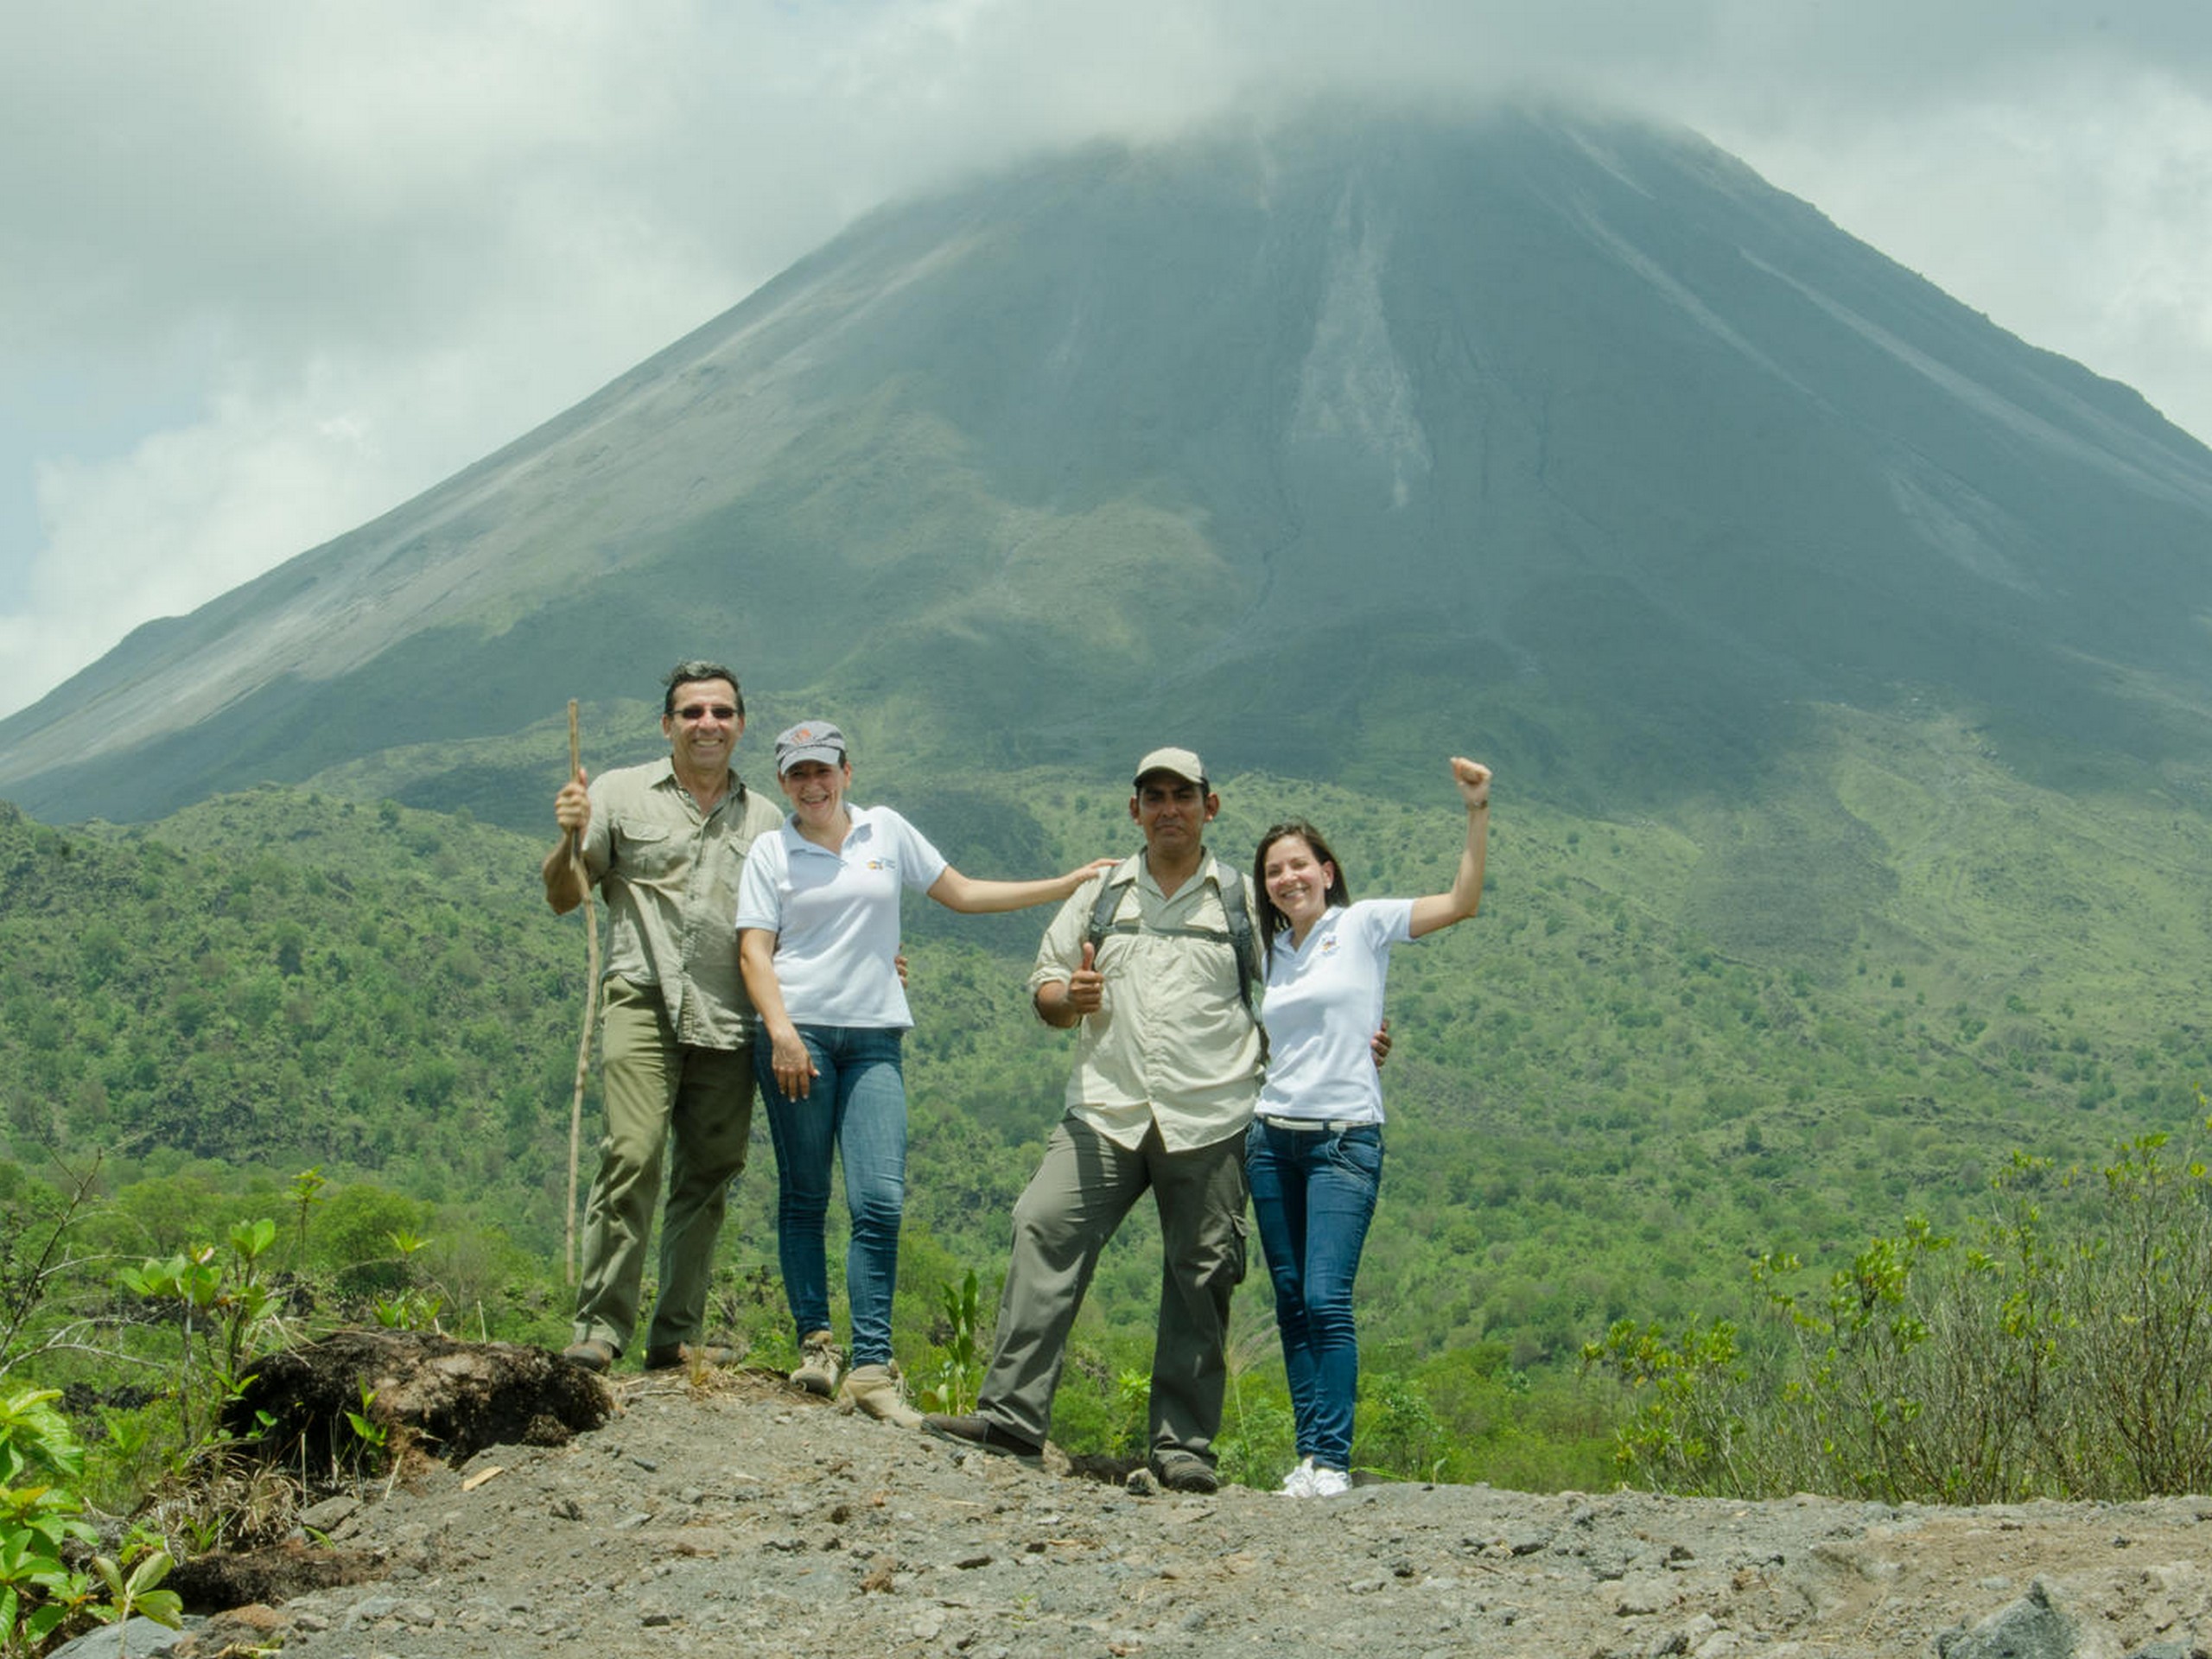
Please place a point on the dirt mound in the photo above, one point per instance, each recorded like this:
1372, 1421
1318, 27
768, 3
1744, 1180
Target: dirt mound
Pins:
734, 1514
326, 1410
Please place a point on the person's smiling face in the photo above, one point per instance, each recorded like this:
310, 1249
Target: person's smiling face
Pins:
817, 791
705, 727
1298, 882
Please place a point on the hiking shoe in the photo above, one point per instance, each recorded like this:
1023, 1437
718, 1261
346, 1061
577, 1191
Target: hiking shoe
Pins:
594, 1355
878, 1390
1329, 1483
1298, 1482
819, 1365
690, 1356
1185, 1471
981, 1431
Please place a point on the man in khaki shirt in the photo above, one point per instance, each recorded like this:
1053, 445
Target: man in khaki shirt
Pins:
665, 843
1167, 1069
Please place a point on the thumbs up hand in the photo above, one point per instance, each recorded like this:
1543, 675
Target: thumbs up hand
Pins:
1086, 986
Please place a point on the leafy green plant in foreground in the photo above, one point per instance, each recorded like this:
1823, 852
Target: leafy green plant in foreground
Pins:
227, 1312
373, 1433
959, 1369
41, 1519
411, 1308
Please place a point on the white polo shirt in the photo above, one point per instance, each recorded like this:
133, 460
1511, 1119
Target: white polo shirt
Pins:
1324, 1005
835, 916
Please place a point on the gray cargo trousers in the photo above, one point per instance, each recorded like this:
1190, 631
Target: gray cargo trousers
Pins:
1081, 1190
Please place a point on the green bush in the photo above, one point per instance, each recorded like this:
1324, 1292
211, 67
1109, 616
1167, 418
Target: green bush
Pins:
2061, 1347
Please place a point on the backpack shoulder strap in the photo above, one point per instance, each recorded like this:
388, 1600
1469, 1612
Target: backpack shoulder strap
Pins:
1235, 910
1233, 906
1118, 881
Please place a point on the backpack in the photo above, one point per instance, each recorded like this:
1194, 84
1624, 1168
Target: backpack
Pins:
1239, 937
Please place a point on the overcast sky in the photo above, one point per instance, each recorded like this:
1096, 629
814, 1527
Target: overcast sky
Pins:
267, 269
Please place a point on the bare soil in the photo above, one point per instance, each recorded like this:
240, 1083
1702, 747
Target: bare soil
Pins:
730, 1513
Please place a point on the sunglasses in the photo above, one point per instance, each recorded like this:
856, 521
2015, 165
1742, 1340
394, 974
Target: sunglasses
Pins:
698, 711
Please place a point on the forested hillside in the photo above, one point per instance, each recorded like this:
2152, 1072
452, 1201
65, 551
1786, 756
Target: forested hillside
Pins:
1608, 1093
284, 977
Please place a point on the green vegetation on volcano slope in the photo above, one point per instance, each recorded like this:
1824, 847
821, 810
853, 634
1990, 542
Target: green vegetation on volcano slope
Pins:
1661, 1048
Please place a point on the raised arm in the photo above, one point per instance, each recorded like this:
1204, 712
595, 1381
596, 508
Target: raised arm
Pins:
972, 898
1440, 910
563, 869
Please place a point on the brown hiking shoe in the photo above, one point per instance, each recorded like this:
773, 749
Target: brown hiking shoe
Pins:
819, 1365
878, 1390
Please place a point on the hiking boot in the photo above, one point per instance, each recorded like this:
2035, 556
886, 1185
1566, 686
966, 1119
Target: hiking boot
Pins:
983, 1431
1298, 1482
879, 1391
1329, 1483
690, 1356
594, 1355
819, 1365
1185, 1471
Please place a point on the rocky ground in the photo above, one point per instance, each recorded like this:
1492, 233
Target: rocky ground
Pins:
732, 1515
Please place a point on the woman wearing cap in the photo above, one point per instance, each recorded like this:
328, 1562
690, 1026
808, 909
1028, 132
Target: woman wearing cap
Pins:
1314, 1152
817, 919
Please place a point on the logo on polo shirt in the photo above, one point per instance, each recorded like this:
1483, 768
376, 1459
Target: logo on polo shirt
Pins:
1329, 943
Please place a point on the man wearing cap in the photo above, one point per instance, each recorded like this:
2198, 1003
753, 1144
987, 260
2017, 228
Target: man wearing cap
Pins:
1166, 1073
665, 844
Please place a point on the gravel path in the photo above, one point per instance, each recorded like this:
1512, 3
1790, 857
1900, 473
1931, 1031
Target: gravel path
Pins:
738, 1517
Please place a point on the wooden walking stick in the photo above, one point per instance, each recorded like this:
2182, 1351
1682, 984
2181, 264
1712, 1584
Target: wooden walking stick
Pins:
591, 1001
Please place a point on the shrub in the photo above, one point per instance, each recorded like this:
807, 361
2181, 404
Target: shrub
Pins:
2064, 1355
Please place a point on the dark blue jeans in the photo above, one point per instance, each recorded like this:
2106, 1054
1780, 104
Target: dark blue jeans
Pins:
856, 1109
1313, 1196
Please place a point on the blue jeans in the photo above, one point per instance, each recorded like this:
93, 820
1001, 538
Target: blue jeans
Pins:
1313, 1195
857, 1107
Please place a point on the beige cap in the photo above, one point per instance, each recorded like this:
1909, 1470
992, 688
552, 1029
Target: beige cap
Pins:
1179, 763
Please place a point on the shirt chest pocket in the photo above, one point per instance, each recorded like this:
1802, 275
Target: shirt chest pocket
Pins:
724, 862
1184, 969
647, 852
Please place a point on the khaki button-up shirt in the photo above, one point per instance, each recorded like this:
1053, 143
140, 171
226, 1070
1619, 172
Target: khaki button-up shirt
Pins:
1172, 1044
670, 875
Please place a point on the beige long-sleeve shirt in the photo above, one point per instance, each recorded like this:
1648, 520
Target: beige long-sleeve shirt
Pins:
670, 875
1172, 1043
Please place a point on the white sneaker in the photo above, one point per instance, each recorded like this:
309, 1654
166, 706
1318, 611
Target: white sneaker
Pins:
819, 1365
1298, 1482
1328, 1483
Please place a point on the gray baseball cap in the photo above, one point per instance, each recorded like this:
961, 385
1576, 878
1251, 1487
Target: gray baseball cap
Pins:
811, 739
